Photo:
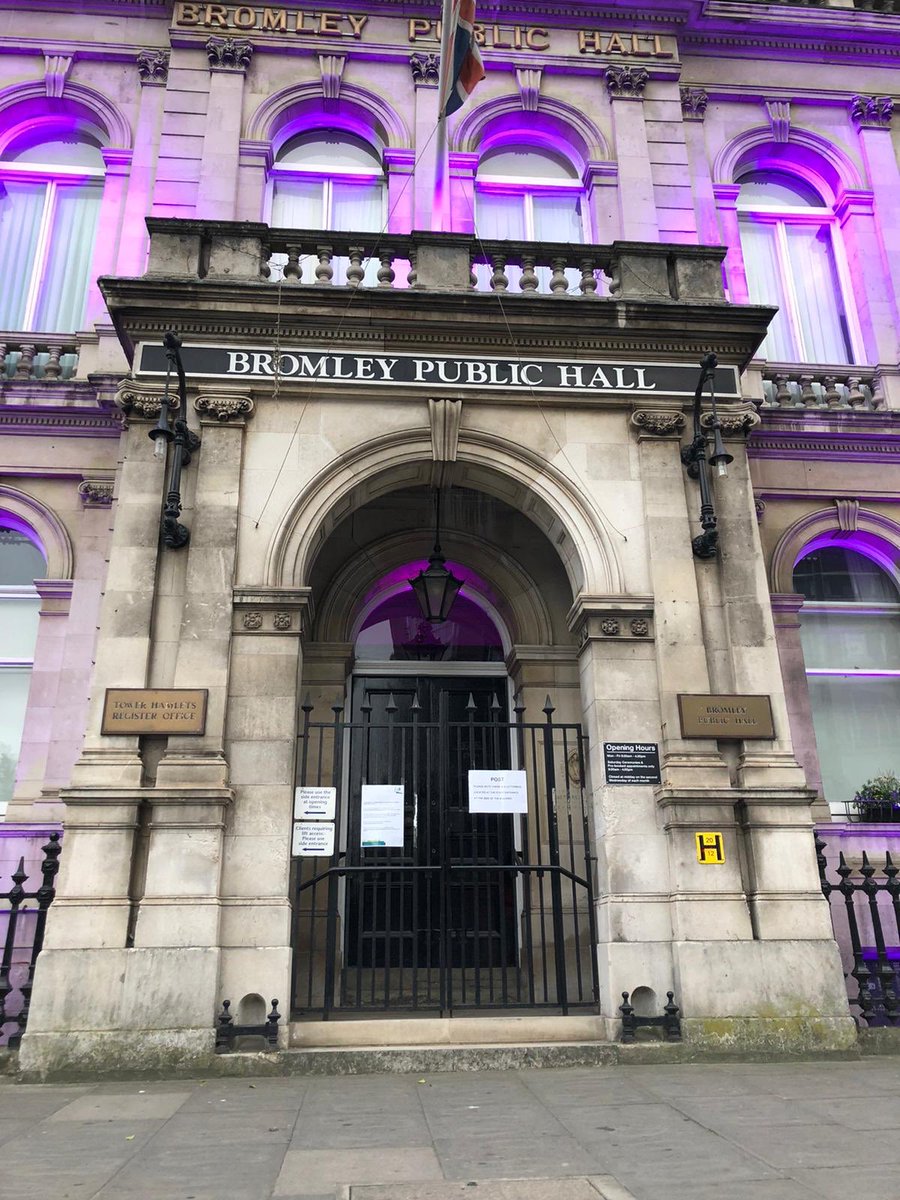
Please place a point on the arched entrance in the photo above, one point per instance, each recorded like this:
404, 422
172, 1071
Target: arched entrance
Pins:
459, 876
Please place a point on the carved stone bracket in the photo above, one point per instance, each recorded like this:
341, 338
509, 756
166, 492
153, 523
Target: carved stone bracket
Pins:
602, 618
228, 54
626, 83
848, 515
529, 81
872, 112
444, 417
137, 400
332, 69
425, 69
659, 422
271, 611
733, 424
96, 493
153, 67
224, 406
56, 71
779, 114
693, 103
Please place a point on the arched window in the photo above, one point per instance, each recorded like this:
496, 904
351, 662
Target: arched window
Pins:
21, 562
528, 194
51, 183
850, 630
788, 240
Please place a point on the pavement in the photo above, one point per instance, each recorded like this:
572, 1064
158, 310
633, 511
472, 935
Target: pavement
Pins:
733, 1131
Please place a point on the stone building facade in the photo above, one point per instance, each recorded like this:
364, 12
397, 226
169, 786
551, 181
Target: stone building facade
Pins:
624, 194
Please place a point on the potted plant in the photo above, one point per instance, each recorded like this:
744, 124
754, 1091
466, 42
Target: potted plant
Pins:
879, 799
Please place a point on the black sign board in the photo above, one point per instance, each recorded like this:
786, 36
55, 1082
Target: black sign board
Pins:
631, 762
351, 369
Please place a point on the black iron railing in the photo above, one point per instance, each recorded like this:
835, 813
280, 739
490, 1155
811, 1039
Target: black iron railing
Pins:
23, 917
865, 912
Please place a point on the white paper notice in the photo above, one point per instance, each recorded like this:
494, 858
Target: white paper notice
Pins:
498, 792
381, 816
314, 803
313, 839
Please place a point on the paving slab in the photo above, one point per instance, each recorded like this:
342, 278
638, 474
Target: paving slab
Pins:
199, 1171
314, 1172
596, 1188
99, 1107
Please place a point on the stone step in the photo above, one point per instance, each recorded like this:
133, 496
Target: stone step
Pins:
521, 1029
595, 1187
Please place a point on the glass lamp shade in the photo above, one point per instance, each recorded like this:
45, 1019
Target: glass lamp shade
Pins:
436, 588
720, 458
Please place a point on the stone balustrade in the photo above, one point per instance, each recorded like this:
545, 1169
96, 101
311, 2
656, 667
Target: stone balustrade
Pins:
50, 361
793, 387
245, 252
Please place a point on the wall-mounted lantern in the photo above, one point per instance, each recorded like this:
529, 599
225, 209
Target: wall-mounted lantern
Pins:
694, 457
184, 440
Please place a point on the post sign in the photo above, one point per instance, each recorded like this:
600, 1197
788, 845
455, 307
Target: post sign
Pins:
485, 374
154, 711
726, 717
710, 849
314, 803
498, 792
631, 763
313, 839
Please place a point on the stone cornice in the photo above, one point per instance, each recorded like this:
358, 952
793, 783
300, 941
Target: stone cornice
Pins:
273, 611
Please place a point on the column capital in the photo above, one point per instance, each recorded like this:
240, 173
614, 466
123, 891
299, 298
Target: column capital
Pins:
425, 68
597, 618
872, 112
658, 422
229, 54
153, 67
626, 83
224, 406
693, 103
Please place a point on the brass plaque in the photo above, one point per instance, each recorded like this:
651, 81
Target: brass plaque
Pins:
726, 717
154, 711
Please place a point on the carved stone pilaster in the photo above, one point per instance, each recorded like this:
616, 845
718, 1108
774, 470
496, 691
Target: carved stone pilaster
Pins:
626, 83
141, 400
153, 67
425, 69
693, 103
779, 114
332, 68
228, 54
96, 493
529, 81
872, 112
658, 421
224, 406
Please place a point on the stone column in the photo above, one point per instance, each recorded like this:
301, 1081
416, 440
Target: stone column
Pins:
869, 269
109, 229
424, 68
400, 167
693, 111
637, 204
217, 189
601, 183
254, 164
153, 71
726, 199
872, 117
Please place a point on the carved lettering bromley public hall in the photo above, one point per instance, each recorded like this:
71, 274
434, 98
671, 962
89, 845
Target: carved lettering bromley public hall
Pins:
275, 19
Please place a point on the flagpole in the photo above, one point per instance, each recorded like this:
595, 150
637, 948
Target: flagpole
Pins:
440, 218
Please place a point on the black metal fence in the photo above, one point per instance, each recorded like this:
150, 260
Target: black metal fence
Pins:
23, 917
865, 912
473, 910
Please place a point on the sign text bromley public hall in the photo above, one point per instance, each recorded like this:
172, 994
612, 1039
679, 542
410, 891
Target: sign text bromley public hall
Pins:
278, 19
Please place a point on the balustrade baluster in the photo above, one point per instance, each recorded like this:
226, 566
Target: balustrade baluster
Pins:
412, 277
2, 360
832, 394
808, 397
782, 391
265, 270
386, 270
588, 279
559, 285
499, 281
25, 365
529, 281
855, 396
291, 269
877, 393
473, 277
324, 269
52, 367
355, 272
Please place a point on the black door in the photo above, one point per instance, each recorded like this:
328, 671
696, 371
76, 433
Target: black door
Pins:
439, 901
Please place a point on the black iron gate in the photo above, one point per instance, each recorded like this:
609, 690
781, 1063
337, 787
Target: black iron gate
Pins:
474, 910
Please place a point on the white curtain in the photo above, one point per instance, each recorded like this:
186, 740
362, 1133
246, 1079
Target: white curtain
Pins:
67, 274
557, 218
21, 208
765, 287
857, 723
818, 294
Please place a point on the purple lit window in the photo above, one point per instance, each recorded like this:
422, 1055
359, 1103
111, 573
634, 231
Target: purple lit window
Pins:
51, 183
21, 562
850, 631
794, 259
528, 194
328, 179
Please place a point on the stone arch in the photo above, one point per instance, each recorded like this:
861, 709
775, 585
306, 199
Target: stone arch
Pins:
48, 529
490, 123
294, 105
875, 535
486, 462
24, 102
829, 169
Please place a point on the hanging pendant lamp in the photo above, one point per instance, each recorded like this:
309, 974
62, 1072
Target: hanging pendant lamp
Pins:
436, 586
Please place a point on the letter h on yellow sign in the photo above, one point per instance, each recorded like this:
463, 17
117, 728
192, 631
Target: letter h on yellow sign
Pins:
710, 848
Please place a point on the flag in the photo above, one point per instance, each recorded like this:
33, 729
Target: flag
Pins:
464, 68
